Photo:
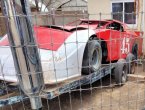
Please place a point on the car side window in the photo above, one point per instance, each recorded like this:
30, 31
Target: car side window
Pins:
115, 26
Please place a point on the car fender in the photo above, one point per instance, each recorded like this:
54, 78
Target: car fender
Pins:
67, 60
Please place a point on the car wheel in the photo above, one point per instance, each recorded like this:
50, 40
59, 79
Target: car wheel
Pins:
92, 57
135, 51
130, 63
143, 64
120, 72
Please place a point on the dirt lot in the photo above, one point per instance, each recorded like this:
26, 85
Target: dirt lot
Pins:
130, 96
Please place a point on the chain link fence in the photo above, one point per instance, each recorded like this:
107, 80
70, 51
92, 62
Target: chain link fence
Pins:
86, 64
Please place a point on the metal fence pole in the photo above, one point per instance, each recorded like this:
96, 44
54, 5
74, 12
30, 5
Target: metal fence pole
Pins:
143, 34
53, 16
24, 49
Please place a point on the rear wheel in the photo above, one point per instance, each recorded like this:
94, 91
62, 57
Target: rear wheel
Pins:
135, 51
121, 72
130, 63
92, 57
143, 64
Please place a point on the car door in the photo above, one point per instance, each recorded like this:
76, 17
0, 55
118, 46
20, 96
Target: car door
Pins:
125, 44
115, 41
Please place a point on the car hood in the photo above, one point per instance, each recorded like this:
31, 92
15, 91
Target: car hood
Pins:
50, 37
46, 38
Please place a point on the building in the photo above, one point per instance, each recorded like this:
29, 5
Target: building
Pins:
61, 5
127, 11
74, 9
74, 5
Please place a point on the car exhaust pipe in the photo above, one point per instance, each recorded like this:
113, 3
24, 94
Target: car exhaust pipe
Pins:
24, 49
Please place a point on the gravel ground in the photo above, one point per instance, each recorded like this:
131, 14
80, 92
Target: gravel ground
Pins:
130, 96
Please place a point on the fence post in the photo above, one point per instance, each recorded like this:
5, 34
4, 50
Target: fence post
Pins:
24, 49
143, 35
53, 16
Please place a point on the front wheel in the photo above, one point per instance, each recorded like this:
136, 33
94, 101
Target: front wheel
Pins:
92, 57
121, 72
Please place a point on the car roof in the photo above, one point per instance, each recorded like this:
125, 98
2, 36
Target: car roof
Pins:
93, 20
105, 20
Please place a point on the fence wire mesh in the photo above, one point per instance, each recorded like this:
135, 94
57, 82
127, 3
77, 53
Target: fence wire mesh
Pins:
87, 64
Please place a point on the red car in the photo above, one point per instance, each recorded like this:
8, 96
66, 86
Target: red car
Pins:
119, 44
81, 47
116, 39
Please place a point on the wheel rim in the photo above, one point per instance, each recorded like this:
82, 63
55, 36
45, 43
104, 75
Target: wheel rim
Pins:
95, 60
95, 57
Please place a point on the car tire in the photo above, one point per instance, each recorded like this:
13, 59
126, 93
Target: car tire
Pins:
135, 51
120, 72
130, 63
143, 64
92, 57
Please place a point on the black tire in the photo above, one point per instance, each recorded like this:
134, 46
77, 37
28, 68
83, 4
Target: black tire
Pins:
135, 51
92, 57
130, 59
143, 64
120, 72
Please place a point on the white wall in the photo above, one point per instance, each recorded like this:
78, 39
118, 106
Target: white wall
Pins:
99, 6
